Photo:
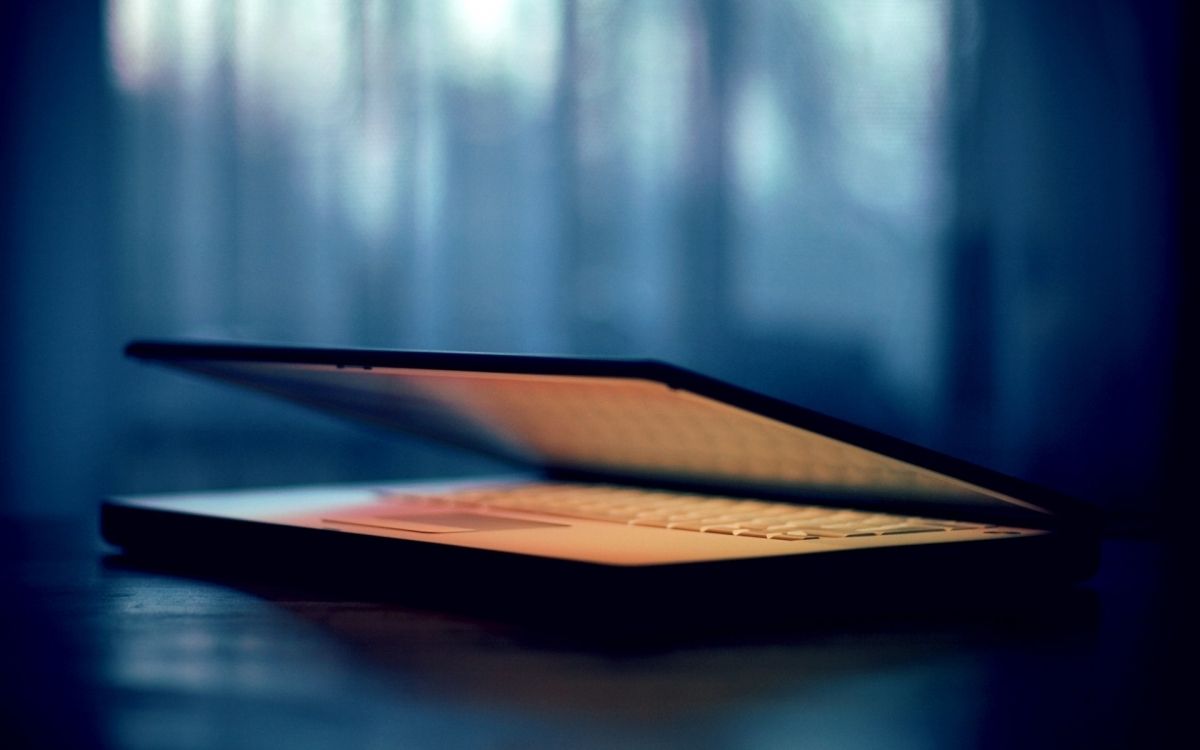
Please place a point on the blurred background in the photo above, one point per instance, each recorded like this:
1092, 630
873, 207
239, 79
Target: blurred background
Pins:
955, 221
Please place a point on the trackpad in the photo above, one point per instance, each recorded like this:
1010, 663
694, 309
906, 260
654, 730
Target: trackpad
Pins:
443, 523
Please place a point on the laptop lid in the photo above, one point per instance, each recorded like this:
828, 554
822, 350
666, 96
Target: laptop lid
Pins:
628, 422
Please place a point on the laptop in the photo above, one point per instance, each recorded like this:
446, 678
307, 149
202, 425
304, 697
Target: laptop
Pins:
628, 476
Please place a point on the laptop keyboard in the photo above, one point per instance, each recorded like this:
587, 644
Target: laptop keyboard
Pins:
690, 512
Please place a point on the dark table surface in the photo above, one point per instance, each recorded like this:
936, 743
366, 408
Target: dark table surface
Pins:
100, 651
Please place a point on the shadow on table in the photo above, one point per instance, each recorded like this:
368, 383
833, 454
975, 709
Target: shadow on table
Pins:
630, 657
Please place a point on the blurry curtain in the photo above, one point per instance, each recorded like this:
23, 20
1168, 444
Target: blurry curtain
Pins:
671, 179
910, 213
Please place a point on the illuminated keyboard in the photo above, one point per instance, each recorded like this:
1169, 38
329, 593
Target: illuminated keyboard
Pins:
690, 512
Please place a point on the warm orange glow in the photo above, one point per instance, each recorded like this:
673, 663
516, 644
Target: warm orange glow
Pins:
632, 426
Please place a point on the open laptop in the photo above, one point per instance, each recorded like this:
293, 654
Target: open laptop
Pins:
627, 474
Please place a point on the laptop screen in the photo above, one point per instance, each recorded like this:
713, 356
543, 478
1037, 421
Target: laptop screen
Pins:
624, 427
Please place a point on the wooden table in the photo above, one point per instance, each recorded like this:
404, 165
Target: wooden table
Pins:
99, 652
